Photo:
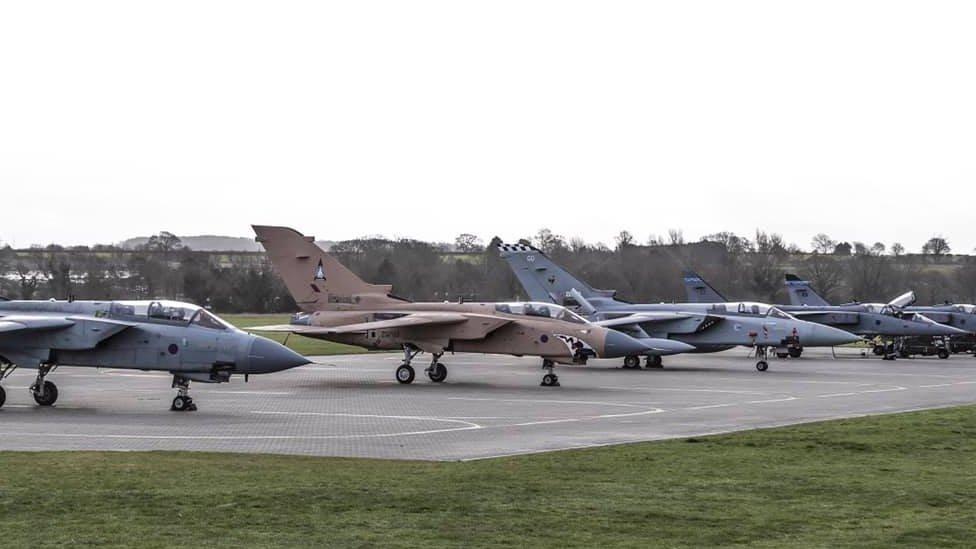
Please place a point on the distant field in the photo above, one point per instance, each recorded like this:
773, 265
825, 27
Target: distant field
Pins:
303, 345
902, 480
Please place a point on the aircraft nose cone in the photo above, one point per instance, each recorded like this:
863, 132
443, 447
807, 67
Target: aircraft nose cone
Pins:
826, 336
268, 356
618, 344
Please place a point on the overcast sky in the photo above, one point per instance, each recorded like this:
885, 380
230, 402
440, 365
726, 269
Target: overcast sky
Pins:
427, 119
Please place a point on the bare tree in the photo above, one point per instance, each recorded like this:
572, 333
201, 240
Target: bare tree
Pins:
548, 242
624, 239
823, 244
28, 280
897, 249
936, 246
469, 243
676, 237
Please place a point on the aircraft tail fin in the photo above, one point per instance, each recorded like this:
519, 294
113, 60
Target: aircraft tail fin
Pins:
314, 277
544, 280
700, 291
801, 293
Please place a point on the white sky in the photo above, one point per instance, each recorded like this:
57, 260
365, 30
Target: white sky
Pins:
426, 119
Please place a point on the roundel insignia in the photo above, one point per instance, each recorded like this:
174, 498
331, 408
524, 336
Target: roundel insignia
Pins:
544, 338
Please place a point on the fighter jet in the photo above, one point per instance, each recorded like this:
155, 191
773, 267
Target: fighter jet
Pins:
708, 327
182, 339
339, 306
889, 321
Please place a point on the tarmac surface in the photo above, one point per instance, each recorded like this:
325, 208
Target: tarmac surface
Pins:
488, 407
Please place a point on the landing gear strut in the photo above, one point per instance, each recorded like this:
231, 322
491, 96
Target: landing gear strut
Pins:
5, 370
405, 373
45, 393
183, 401
761, 354
549, 379
437, 372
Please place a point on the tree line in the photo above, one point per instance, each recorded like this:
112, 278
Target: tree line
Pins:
743, 268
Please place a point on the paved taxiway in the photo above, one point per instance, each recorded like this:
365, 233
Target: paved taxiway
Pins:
489, 406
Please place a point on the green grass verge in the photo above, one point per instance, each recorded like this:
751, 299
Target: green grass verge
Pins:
901, 480
304, 345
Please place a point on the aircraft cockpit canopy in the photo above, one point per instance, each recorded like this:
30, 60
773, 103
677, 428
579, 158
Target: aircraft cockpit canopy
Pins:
547, 310
761, 309
169, 311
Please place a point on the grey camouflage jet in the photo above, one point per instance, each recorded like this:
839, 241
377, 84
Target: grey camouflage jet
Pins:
182, 339
899, 319
710, 327
864, 319
339, 306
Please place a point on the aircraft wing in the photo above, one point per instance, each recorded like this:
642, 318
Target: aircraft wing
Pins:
641, 318
92, 330
27, 323
828, 317
415, 320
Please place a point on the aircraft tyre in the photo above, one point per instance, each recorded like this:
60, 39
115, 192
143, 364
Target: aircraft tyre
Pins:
762, 365
631, 362
795, 352
654, 361
879, 350
782, 355
49, 396
437, 373
183, 404
943, 354
550, 380
3, 397
405, 374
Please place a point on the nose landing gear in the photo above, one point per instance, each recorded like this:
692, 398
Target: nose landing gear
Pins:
550, 379
183, 402
762, 353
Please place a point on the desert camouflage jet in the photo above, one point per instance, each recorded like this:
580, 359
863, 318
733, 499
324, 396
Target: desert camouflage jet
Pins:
339, 306
893, 320
708, 327
184, 340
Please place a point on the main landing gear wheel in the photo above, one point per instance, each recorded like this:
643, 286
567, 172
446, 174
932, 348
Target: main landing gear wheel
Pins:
782, 355
3, 397
45, 394
405, 374
762, 365
631, 362
943, 354
437, 373
183, 404
654, 362
795, 352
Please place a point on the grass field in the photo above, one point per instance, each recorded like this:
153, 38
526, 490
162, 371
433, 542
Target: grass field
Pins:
304, 345
901, 480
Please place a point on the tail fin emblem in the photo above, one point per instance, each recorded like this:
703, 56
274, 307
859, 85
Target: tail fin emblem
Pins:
320, 272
